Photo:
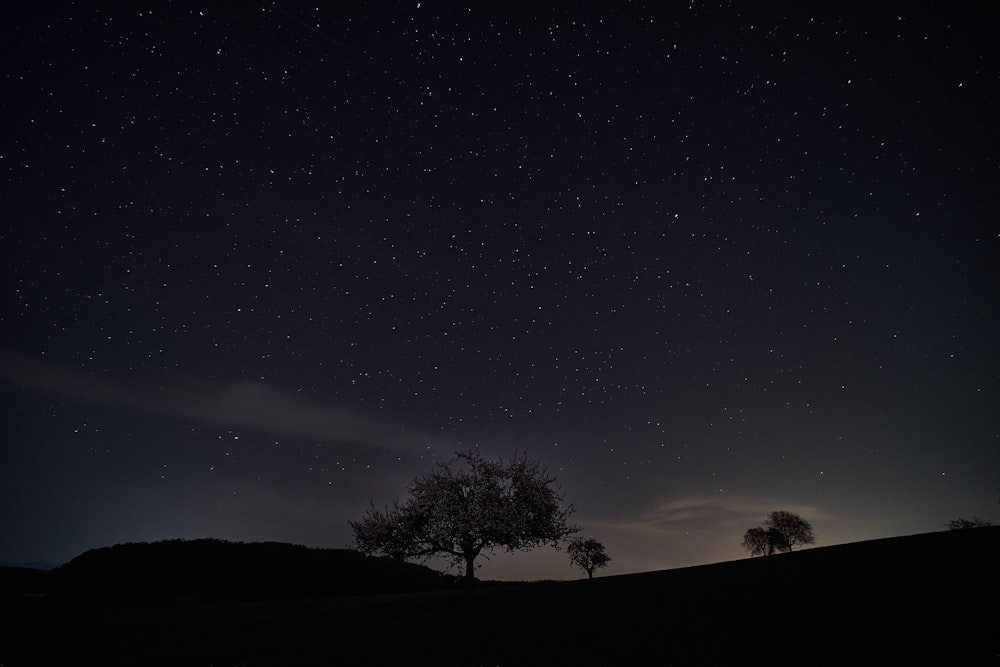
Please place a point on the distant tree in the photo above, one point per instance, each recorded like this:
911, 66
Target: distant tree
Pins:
468, 506
759, 541
781, 531
792, 531
588, 554
964, 524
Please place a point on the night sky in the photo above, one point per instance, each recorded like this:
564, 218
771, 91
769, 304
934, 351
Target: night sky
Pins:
264, 263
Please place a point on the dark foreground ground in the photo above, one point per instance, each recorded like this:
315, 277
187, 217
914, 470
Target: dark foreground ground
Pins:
925, 599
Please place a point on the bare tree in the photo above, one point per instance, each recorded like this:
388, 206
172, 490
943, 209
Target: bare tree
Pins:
757, 542
466, 507
781, 531
794, 531
588, 554
964, 524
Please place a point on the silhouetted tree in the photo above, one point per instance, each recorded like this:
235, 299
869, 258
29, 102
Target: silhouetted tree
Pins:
760, 541
388, 532
794, 531
781, 531
964, 524
468, 506
589, 554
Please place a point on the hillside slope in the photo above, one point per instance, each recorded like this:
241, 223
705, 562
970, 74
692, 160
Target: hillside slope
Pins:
251, 571
924, 599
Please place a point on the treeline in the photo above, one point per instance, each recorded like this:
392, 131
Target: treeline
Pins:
253, 570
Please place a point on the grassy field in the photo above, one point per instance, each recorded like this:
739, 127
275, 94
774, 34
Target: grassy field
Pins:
922, 599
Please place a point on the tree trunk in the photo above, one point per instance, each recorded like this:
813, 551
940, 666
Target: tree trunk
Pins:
590, 573
470, 576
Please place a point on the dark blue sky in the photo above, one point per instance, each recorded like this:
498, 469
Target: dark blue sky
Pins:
265, 263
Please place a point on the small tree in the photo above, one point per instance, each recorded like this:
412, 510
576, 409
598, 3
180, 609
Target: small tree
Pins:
964, 524
781, 531
468, 506
588, 554
759, 541
791, 530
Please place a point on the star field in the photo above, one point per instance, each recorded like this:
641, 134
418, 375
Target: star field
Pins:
263, 264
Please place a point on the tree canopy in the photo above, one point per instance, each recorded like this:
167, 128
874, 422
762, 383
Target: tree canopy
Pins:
588, 554
469, 506
794, 531
781, 531
760, 541
964, 524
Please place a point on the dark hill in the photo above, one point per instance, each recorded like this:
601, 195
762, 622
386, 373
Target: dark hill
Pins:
256, 570
920, 600
16, 582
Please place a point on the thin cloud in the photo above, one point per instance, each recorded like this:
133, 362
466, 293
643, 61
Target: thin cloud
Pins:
254, 405
680, 515
691, 530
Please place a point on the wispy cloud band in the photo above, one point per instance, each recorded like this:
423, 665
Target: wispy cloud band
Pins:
242, 404
711, 512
